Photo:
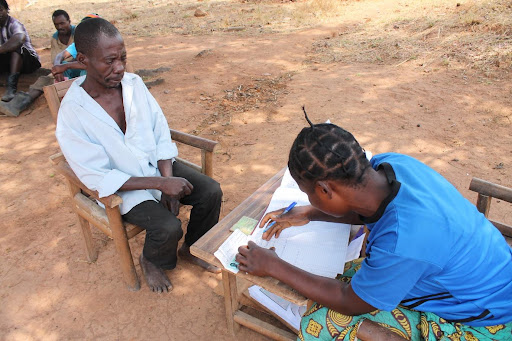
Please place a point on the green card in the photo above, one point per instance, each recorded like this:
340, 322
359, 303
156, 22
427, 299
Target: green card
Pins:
245, 224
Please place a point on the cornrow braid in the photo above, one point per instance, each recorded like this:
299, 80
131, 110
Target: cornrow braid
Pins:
327, 152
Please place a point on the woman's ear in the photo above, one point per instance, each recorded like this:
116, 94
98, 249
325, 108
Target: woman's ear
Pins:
324, 189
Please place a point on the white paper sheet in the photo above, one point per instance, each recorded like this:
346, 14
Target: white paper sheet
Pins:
227, 251
288, 311
354, 248
317, 247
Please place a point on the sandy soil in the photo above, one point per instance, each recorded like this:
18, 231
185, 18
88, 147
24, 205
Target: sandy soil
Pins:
246, 93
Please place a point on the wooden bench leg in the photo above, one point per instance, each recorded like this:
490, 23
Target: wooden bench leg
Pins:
92, 253
90, 249
123, 248
230, 300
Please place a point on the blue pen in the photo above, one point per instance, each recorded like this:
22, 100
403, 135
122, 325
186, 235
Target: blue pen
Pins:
286, 210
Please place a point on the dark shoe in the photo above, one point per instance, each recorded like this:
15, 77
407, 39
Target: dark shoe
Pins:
12, 87
19, 103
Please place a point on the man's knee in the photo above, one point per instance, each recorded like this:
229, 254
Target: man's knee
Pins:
167, 230
212, 192
216, 191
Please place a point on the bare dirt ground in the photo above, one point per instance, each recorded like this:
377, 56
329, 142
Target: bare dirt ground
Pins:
429, 80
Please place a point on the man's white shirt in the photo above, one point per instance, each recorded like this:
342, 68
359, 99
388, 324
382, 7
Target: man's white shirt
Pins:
104, 158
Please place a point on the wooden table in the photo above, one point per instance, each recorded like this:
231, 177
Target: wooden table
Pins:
253, 207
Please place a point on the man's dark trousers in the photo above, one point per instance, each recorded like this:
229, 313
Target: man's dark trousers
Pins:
163, 229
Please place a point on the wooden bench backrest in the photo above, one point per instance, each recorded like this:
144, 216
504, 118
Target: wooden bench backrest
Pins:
486, 191
54, 94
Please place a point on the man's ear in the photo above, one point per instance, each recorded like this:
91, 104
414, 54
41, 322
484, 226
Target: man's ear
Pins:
82, 58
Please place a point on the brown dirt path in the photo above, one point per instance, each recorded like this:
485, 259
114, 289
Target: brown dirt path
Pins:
246, 94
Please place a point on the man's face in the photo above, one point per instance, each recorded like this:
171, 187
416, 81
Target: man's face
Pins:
106, 63
62, 24
4, 14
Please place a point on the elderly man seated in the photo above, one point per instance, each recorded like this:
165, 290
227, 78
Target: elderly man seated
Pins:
116, 139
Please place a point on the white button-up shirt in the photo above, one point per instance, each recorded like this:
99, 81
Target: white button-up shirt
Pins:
104, 158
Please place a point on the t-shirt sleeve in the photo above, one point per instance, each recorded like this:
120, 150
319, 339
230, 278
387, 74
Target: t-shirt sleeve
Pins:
16, 27
72, 50
385, 278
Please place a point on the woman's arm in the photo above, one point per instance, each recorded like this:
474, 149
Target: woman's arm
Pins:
331, 293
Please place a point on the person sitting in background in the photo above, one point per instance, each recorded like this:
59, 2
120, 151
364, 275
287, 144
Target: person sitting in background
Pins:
21, 100
65, 34
65, 65
17, 55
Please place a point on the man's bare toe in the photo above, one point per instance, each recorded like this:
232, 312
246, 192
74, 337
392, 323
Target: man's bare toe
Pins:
156, 278
184, 253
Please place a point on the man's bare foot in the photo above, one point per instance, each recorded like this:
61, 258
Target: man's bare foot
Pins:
156, 278
184, 253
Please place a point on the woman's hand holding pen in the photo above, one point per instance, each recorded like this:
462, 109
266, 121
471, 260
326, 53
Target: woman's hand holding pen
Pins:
298, 216
256, 260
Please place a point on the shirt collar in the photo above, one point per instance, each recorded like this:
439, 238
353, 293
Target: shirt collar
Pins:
395, 187
83, 99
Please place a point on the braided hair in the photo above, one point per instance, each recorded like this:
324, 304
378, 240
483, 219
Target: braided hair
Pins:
327, 152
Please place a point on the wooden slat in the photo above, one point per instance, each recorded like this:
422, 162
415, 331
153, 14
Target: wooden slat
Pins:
54, 94
111, 201
56, 158
490, 189
192, 140
132, 230
53, 100
85, 226
190, 164
90, 211
231, 302
207, 162
262, 327
505, 229
483, 204
123, 248
97, 216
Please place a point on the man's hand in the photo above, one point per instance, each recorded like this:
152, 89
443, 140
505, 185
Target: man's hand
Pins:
172, 204
297, 217
175, 187
57, 72
256, 260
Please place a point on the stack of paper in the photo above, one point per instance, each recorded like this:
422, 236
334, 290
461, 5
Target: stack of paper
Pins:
288, 311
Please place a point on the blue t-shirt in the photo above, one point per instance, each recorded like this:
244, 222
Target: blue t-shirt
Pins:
72, 50
430, 249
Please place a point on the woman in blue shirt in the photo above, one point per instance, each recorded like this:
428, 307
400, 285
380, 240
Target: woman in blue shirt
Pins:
435, 267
